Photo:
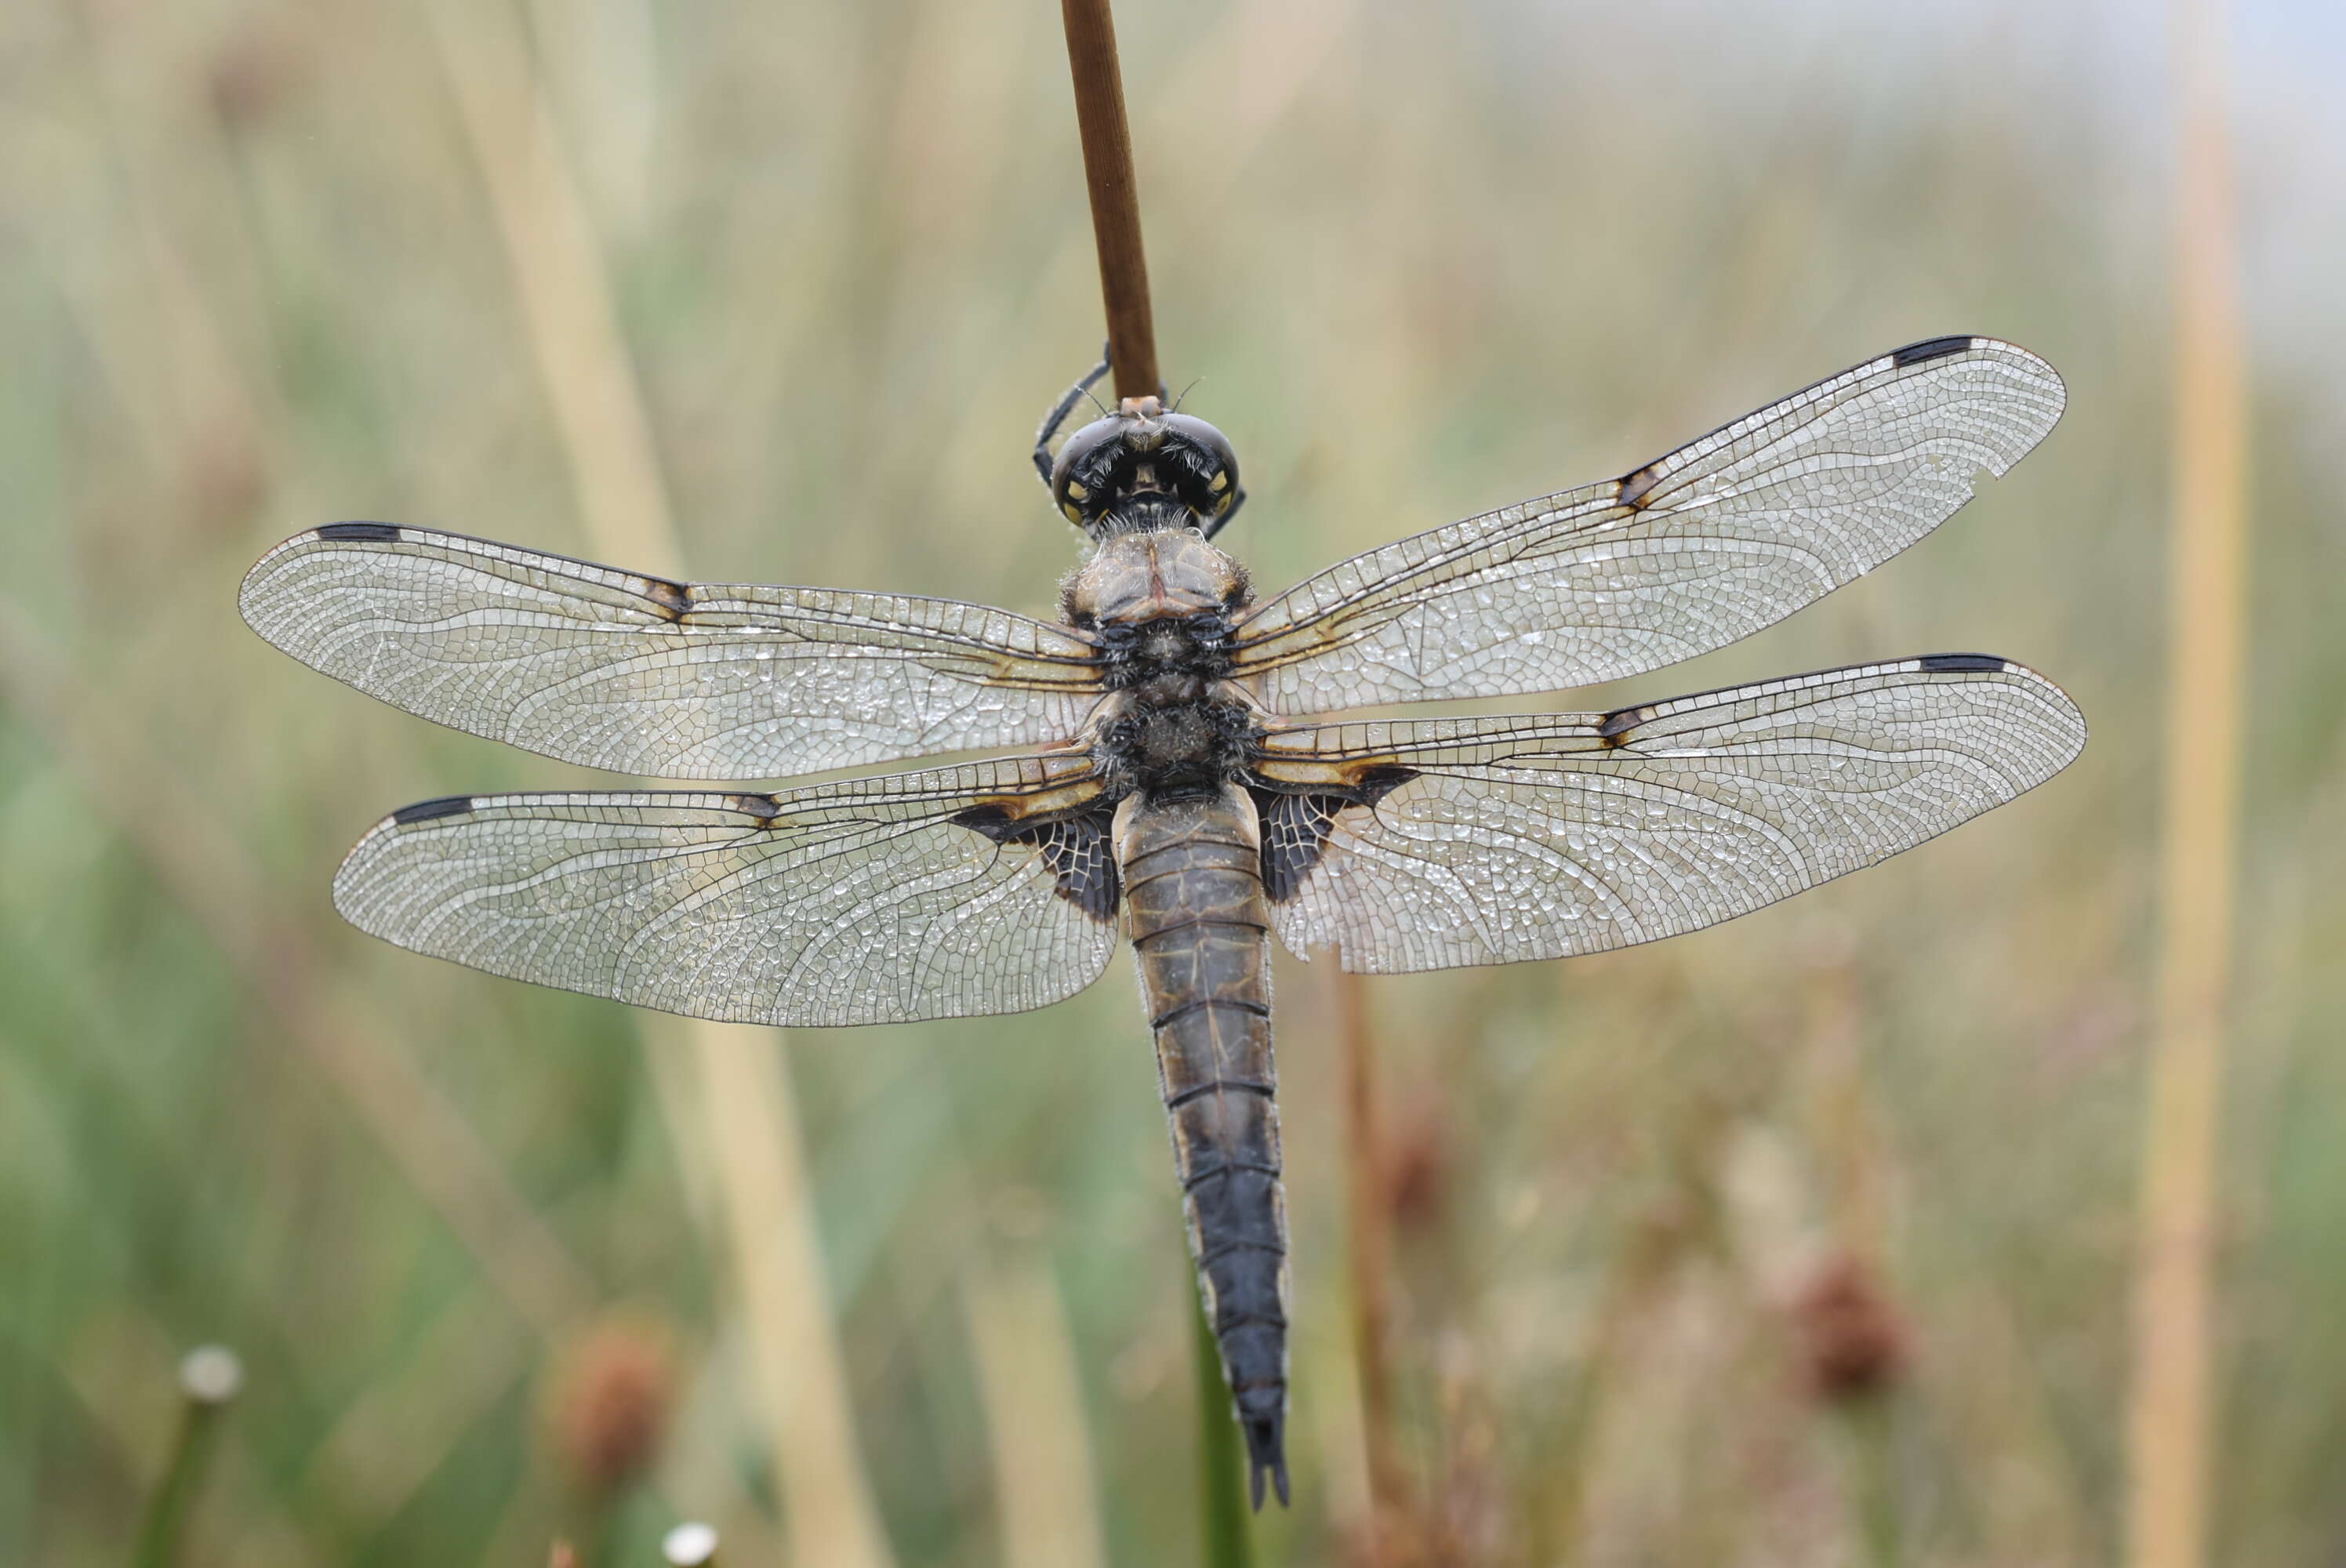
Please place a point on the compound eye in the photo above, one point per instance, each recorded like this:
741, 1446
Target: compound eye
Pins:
1223, 476
1068, 492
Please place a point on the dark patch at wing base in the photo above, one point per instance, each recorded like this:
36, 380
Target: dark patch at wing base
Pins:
373, 533
1929, 348
425, 810
1076, 848
1988, 662
1295, 826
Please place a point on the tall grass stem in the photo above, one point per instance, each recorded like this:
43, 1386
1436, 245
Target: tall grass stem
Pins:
1027, 1381
2171, 1395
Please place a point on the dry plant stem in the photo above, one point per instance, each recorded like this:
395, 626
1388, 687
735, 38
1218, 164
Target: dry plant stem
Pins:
1115, 201
1643, 1267
751, 1121
1370, 1257
1028, 1383
1868, 1429
778, 1267
2171, 1397
144, 306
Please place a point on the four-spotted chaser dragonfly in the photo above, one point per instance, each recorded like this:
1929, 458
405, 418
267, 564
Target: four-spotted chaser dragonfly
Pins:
1179, 779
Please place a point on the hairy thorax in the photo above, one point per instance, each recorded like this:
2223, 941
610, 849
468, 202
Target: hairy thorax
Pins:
1162, 604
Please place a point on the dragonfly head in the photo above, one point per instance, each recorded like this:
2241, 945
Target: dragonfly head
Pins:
1144, 467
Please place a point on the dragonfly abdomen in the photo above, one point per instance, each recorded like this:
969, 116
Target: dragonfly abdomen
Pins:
1200, 938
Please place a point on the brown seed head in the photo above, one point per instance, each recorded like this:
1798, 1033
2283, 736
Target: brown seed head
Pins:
1855, 1341
612, 1393
1417, 1163
254, 73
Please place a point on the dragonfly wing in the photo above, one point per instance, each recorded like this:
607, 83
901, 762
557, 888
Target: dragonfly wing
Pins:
1429, 845
675, 680
953, 893
1725, 536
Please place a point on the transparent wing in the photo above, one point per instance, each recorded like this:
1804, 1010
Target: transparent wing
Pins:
1722, 537
644, 676
947, 893
1485, 840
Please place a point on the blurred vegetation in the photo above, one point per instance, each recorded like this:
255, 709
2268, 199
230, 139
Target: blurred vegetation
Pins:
1805, 1239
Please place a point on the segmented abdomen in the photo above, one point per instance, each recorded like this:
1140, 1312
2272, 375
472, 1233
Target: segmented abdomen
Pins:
1200, 937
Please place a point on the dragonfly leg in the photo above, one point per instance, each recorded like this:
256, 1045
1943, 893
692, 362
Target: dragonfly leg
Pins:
1058, 415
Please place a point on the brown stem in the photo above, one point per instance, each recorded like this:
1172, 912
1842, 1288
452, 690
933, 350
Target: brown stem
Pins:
1115, 200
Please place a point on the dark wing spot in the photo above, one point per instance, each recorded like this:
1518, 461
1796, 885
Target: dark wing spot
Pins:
1075, 849
374, 533
1929, 348
673, 600
1634, 487
425, 810
1962, 661
1617, 725
994, 821
765, 808
1295, 827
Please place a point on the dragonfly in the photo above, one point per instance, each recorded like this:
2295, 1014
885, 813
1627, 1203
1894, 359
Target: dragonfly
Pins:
1178, 772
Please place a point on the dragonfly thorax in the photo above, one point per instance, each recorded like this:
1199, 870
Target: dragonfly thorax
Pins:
1136, 580
1161, 606
1174, 736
